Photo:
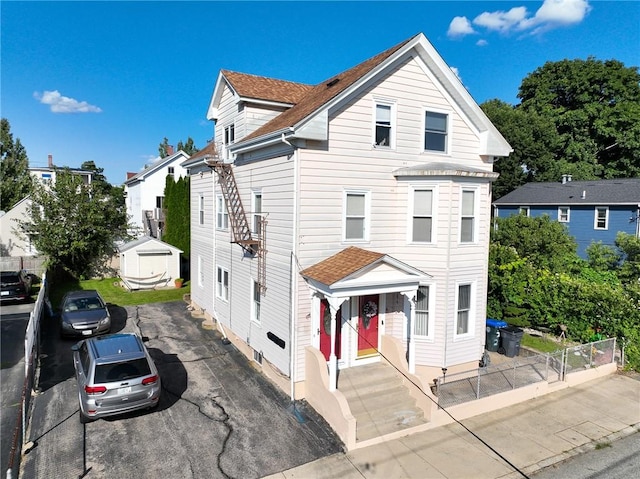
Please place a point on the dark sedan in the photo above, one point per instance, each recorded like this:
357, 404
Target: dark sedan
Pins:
15, 286
84, 313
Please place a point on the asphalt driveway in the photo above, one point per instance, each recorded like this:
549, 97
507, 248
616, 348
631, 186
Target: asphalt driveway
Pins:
218, 416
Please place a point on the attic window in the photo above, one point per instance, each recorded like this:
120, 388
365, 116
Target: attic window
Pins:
333, 82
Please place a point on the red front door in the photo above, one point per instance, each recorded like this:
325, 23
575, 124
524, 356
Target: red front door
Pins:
368, 326
325, 330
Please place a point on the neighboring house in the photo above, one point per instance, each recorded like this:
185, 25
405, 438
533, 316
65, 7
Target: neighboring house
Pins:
144, 192
48, 173
148, 263
337, 223
593, 211
12, 244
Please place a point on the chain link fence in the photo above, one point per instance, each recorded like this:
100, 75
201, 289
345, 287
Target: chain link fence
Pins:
522, 371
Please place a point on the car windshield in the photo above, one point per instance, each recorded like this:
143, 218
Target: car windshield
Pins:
106, 373
10, 278
83, 304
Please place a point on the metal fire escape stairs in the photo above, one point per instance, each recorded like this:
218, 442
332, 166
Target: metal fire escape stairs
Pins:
251, 242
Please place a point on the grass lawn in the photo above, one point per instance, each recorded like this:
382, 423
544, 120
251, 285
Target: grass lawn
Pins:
112, 292
540, 343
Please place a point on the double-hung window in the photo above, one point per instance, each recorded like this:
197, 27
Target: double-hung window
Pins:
222, 284
256, 302
601, 218
463, 319
422, 218
171, 171
201, 209
524, 211
355, 218
468, 216
563, 214
436, 131
222, 216
421, 327
257, 212
229, 139
384, 127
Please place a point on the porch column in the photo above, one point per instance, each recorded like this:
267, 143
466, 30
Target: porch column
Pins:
334, 307
411, 297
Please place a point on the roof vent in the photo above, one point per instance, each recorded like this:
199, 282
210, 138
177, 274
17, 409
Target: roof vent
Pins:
584, 194
333, 82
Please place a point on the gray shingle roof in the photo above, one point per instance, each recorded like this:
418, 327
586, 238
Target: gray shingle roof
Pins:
605, 192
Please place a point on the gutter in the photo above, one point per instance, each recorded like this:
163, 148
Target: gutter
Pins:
263, 141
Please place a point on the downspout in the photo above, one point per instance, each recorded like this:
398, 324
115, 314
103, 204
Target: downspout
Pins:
447, 277
638, 222
293, 339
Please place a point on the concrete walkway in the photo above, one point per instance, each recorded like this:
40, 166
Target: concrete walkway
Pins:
509, 443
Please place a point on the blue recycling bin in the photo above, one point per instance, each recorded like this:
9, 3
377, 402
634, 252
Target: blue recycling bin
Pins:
492, 341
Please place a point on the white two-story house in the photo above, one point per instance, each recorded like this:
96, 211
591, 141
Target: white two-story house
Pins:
343, 225
144, 192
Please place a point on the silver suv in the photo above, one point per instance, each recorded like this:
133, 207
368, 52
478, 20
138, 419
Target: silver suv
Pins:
115, 374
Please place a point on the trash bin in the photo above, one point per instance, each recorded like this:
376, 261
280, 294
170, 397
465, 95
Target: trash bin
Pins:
492, 342
510, 341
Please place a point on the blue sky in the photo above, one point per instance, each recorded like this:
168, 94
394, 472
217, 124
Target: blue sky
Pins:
107, 81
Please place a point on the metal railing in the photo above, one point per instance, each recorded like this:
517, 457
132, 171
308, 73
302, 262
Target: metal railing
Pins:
522, 371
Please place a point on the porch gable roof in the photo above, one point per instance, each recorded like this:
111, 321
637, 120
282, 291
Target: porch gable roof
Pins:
355, 268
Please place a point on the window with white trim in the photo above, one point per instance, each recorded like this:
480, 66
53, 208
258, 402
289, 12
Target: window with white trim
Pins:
201, 209
356, 215
384, 124
463, 315
601, 218
563, 214
422, 217
170, 171
222, 284
222, 216
229, 139
256, 302
422, 327
524, 211
468, 216
256, 207
436, 131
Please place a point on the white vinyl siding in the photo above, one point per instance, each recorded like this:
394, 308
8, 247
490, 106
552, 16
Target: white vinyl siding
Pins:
601, 218
200, 271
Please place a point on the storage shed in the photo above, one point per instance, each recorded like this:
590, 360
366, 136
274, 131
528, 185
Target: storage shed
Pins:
148, 263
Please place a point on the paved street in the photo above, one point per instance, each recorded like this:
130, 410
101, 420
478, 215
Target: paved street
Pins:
13, 321
218, 416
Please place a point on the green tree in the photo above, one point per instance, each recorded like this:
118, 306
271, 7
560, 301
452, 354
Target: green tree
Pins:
545, 243
75, 225
629, 246
188, 147
15, 179
532, 138
177, 229
595, 108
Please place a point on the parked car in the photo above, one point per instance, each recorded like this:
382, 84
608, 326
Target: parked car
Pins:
84, 313
15, 286
115, 374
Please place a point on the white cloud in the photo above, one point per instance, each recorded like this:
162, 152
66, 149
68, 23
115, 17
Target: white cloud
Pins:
482, 42
500, 20
64, 104
456, 72
459, 27
551, 14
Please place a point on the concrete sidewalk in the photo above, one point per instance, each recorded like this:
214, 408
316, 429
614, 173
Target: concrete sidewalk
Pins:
510, 443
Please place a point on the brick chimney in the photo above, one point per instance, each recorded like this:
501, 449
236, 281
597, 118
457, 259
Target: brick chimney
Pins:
50, 161
170, 150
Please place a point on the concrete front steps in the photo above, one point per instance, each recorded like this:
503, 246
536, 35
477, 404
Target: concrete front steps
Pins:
378, 400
